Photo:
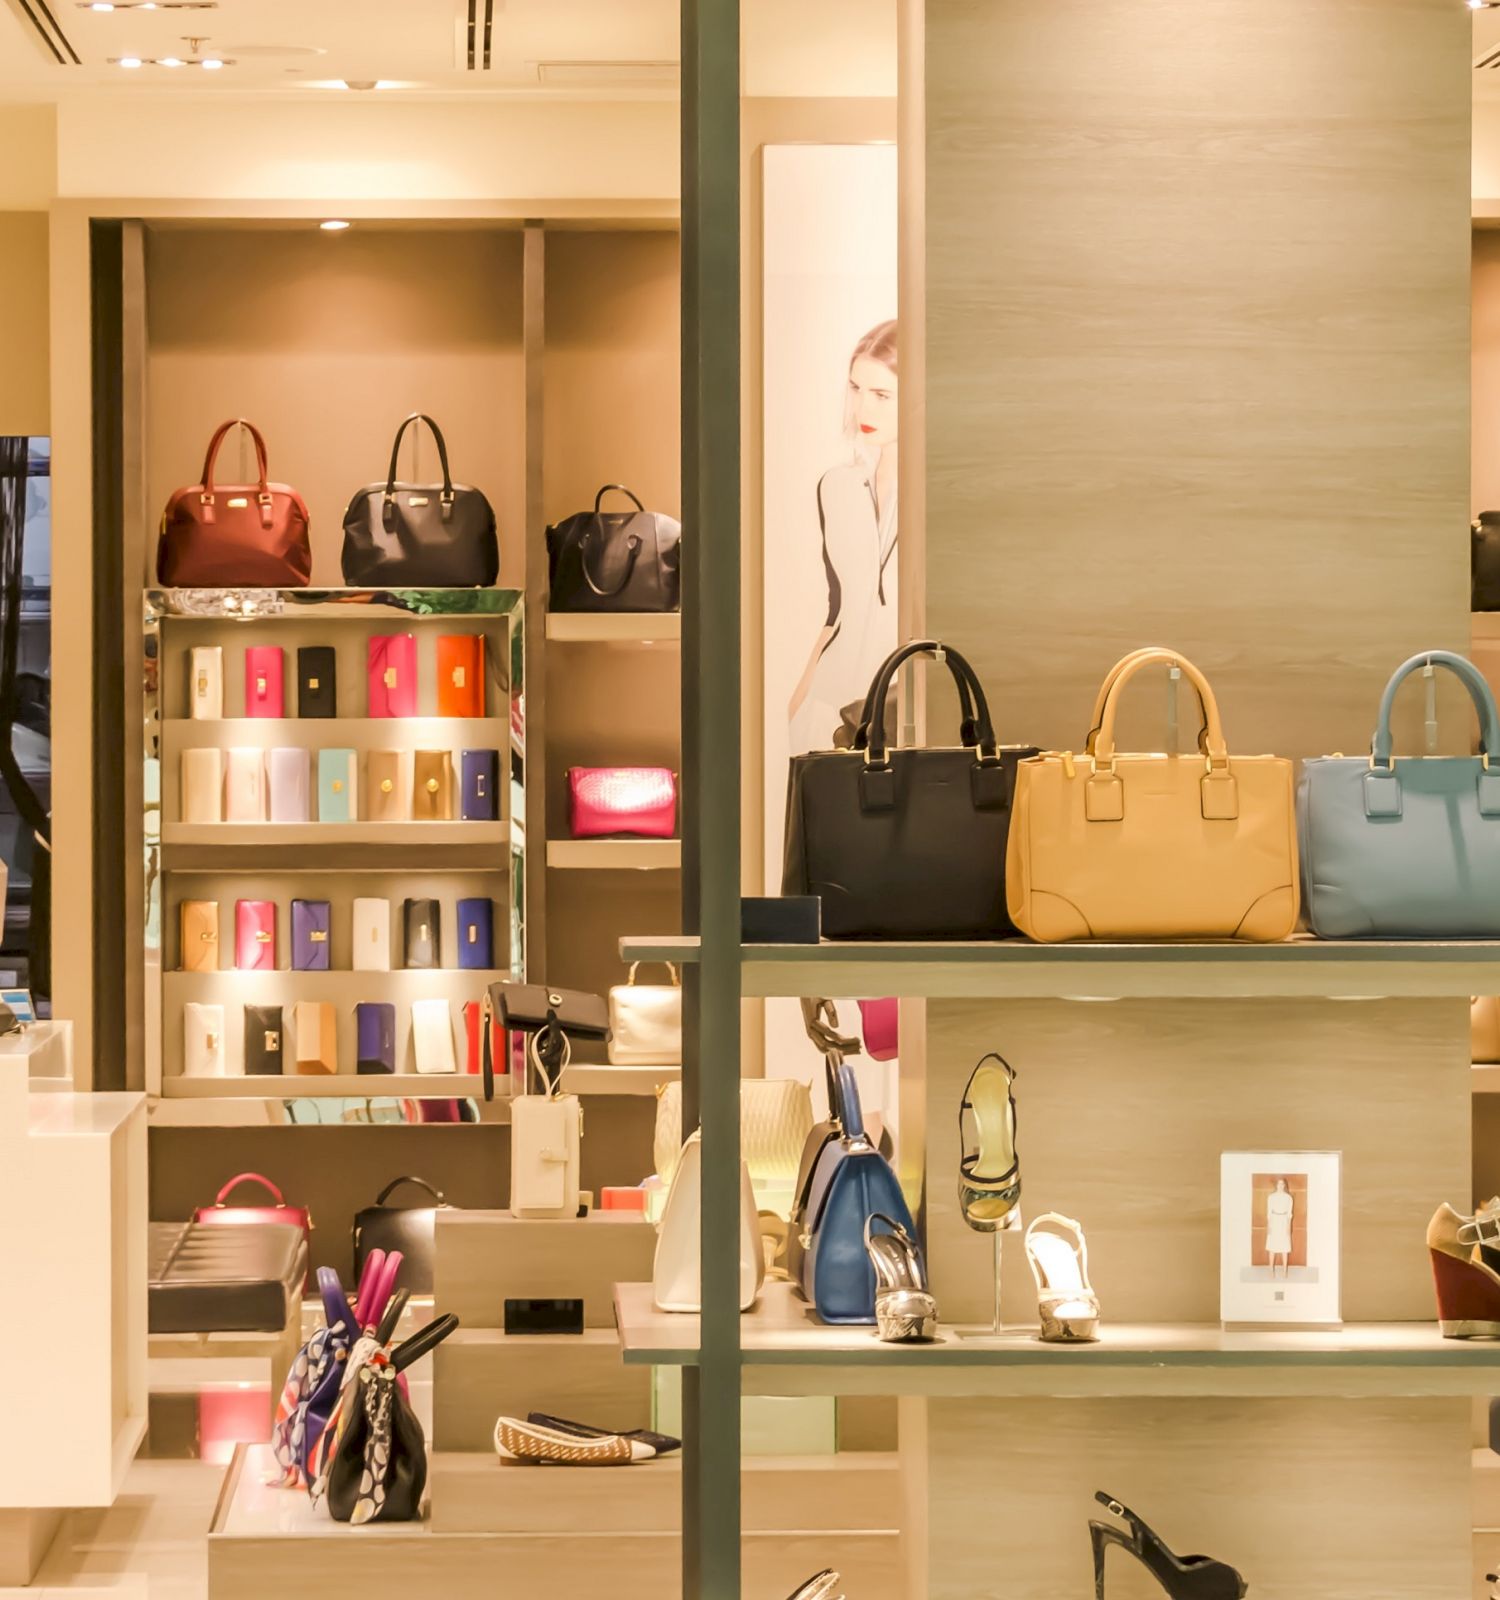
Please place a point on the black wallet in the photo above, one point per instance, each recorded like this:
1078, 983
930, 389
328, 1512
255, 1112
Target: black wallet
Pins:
317, 694
263, 1036
421, 921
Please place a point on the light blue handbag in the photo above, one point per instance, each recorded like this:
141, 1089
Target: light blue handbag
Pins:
1405, 847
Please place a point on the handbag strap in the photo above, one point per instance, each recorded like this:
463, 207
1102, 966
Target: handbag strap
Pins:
1210, 737
671, 967
336, 1308
210, 459
615, 488
850, 1114
1471, 678
1109, 683
871, 734
445, 498
551, 1065
421, 1183
249, 1177
425, 1339
381, 1290
386, 1330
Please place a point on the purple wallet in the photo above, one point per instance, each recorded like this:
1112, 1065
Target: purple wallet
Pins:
375, 1023
479, 786
310, 920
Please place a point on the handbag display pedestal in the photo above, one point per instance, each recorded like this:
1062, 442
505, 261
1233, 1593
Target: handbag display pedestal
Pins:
74, 1167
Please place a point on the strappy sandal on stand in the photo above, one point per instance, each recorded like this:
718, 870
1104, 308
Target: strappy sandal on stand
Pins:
905, 1312
1066, 1302
989, 1171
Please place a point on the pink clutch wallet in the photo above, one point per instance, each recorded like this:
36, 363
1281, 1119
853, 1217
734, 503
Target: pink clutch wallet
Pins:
393, 675
255, 935
264, 668
640, 801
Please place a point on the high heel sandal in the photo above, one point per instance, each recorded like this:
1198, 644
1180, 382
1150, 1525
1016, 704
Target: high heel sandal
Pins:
905, 1312
819, 1587
1464, 1252
1066, 1301
1183, 1577
989, 1170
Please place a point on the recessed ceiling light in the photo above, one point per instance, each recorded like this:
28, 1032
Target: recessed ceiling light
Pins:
169, 61
129, 62
333, 225
212, 64
132, 63
102, 5
147, 5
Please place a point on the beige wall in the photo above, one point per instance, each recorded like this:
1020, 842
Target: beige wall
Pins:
1484, 456
24, 386
28, 136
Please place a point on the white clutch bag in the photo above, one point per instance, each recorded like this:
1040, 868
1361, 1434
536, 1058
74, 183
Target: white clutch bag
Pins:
206, 681
775, 1120
432, 1036
546, 1132
290, 776
372, 935
645, 1021
203, 1054
202, 773
676, 1280
245, 785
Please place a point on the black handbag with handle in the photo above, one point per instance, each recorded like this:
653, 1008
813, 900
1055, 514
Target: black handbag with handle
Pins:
906, 844
1484, 562
420, 535
555, 1016
410, 1229
615, 560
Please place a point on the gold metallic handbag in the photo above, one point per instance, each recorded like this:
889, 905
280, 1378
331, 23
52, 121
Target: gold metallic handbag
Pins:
1109, 845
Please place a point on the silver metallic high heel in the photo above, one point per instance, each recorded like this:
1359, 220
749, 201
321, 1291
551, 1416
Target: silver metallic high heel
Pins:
1066, 1302
905, 1312
819, 1587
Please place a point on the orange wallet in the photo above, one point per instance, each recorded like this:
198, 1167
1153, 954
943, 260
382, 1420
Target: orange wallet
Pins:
460, 674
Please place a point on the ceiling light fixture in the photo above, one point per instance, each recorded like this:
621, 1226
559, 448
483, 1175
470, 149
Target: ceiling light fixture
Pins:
334, 225
147, 5
132, 63
212, 63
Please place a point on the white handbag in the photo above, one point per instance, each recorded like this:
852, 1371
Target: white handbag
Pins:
372, 935
206, 681
775, 1120
546, 1132
676, 1278
245, 785
202, 773
645, 1021
432, 1036
203, 1054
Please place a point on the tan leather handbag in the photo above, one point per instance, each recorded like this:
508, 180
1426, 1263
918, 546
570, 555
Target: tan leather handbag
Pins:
1484, 1029
1109, 845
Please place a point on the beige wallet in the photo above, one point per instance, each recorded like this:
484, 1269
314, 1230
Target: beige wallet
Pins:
317, 1037
200, 935
385, 799
432, 786
202, 785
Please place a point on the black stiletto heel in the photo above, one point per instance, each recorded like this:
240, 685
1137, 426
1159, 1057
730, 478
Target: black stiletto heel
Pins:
1182, 1577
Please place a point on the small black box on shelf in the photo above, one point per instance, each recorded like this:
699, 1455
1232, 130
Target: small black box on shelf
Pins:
781, 919
544, 1316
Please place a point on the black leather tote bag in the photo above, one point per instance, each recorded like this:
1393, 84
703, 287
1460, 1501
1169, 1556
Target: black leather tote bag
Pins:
615, 560
410, 1229
420, 535
1484, 562
906, 844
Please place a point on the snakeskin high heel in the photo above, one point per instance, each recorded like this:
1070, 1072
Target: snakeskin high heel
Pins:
1183, 1577
905, 1312
1066, 1302
989, 1170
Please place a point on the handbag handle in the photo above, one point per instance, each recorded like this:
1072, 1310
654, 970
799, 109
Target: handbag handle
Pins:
211, 458
1109, 683
671, 967
336, 1309
850, 1114
445, 498
872, 729
615, 488
1471, 678
633, 544
421, 1183
1210, 738
425, 1339
968, 728
386, 1330
382, 1288
249, 1177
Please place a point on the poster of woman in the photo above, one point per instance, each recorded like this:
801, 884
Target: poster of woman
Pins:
1279, 1238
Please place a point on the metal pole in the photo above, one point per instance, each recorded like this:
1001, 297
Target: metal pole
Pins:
711, 770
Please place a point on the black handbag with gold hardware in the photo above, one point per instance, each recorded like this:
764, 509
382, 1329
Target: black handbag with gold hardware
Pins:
615, 560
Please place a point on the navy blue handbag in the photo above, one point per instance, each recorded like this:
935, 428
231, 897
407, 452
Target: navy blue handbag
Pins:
851, 1182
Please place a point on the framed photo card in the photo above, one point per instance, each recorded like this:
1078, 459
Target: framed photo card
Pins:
1280, 1239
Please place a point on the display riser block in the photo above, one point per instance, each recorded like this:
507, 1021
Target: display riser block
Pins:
482, 1374
485, 1258
24, 1540
474, 1493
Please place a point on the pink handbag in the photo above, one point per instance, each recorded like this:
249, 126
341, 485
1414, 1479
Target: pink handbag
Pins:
878, 1023
393, 675
255, 935
281, 1213
641, 801
264, 671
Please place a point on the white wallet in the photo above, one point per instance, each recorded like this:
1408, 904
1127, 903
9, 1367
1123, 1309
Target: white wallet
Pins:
245, 785
203, 1054
372, 935
202, 774
545, 1134
206, 681
290, 772
432, 1036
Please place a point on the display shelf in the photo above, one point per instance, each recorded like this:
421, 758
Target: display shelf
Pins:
1486, 1078
367, 606
329, 733
601, 1078
1017, 969
786, 1351
335, 1085
341, 986
269, 836
616, 855
584, 627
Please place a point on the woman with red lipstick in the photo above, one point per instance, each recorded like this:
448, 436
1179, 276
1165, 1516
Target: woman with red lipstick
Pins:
857, 514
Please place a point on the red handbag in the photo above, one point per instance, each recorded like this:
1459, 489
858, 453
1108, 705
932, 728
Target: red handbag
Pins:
279, 1214
216, 536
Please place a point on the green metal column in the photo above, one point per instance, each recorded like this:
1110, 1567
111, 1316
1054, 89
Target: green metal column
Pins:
711, 769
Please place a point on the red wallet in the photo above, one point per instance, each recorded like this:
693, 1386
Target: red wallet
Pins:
255, 935
264, 668
460, 668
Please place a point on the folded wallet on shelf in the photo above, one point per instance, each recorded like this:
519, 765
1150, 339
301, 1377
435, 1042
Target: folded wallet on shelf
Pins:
317, 681
393, 675
290, 774
317, 1037
206, 681
460, 669
479, 786
203, 1053
310, 924
338, 786
476, 933
265, 669
372, 935
385, 797
432, 1036
263, 1036
202, 775
199, 927
422, 928
255, 935
375, 1026
431, 786
245, 785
